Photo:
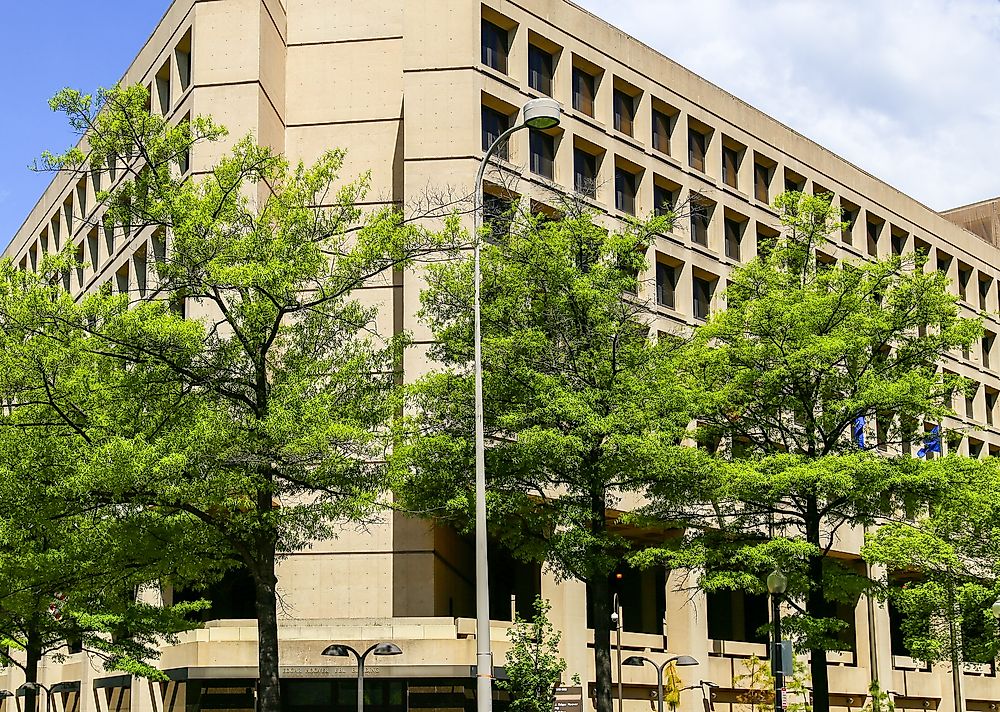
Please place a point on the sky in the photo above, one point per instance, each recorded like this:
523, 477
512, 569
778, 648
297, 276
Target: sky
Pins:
46, 45
906, 89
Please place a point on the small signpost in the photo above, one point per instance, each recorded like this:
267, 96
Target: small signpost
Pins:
569, 699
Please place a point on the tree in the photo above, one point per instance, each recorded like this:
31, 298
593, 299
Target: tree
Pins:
534, 666
948, 560
69, 571
803, 352
284, 383
581, 406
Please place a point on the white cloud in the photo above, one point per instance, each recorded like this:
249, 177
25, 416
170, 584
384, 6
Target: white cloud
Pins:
907, 90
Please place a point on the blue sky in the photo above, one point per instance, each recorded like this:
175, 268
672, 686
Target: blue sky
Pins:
906, 89
46, 45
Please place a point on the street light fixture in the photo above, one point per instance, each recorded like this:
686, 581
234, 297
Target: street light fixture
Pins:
339, 650
35, 686
639, 661
777, 584
995, 609
536, 114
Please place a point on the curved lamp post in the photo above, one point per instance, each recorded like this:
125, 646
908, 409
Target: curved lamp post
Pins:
777, 584
639, 661
338, 650
536, 114
35, 686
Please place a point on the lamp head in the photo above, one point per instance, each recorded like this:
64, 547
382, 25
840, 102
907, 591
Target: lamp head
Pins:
685, 660
30, 686
542, 113
387, 649
777, 582
4, 694
709, 683
634, 660
995, 609
336, 651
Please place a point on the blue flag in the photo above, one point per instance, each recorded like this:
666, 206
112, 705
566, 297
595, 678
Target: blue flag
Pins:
858, 432
932, 442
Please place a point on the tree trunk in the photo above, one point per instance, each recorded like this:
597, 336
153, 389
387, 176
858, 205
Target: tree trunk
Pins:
33, 655
600, 592
265, 585
600, 597
816, 607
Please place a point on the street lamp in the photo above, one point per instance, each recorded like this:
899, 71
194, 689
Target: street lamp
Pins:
338, 650
536, 114
616, 621
995, 609
777, 584
35, 686
638, 661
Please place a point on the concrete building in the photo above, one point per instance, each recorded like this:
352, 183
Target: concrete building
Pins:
414, 89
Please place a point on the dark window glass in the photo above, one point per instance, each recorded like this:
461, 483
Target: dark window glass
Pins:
664, 200
584, 173
734, 235
737, 616
494, 124
661, 132
495, 46
543, 152
898, 243
761, 179
642, 596
666, 284
872, 233
988, 339
699, 224
964, 277
539, 69
730, 166
850, 217
625, 191
624, 112
497, 216
583, 91
696, 150
702, 297
984, 292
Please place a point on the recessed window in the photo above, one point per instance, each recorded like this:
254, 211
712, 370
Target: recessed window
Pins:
897, 239
985, 285
624, 112
991, 404
794, 182
737, 616
701, 216
703, 290
964, 279
625, 188
584, 90
497, 216
494, 124
81, 197
543, 152
662, 128
163, 88
850, 212
943, 262
666, 284
540, 64
93, 249
182, 58
734, 236
585, 172
665, 196
766, 240
730, 165
496, 46
697, 147
140, 270
762, 173
873, 231
987, 346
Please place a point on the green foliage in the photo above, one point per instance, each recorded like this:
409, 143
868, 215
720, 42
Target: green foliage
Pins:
879, 700
802, 350
757, 680
582, 408
534, 666
245, 395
